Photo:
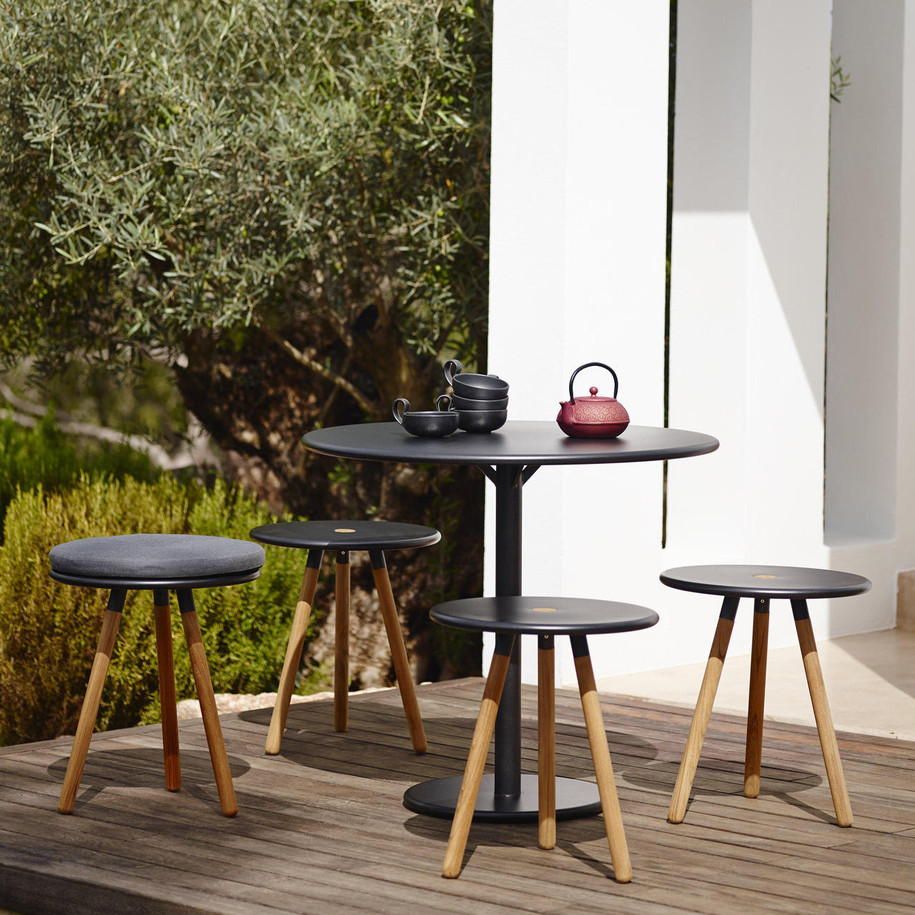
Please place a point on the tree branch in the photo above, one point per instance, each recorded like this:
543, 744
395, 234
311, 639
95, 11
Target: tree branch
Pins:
27, 413
303, 359
20, 403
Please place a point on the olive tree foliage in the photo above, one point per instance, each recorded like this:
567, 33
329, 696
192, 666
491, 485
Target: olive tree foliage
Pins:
179, 171
284, 200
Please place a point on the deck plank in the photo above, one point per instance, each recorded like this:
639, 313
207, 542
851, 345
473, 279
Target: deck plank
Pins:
321, 827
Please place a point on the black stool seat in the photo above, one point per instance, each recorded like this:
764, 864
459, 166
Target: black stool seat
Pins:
763, 584
347, 535
152, 561
509, 617
765, 581
543, 615
343, 537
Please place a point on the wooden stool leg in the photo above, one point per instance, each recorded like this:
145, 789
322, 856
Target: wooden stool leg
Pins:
757, 701
341, 641
398, 651
294, 652
704, 704
476, 759
167, 698
603, 768
207, 702
110, 622
546, 741
821, 713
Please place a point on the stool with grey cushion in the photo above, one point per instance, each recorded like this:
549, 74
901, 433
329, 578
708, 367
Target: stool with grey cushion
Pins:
762, 583
545, 617
159, 563
343, 537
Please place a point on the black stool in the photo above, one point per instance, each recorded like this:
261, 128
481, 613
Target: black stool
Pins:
546, 617
345, 536
157, 563
763, 583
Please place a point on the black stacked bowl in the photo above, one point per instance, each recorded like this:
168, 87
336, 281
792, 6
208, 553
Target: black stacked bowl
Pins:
481, 401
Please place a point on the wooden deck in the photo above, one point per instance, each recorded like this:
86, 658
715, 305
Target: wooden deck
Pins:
321, 828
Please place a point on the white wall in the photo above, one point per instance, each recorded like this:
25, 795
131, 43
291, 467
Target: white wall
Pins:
748, 293
864, 277
905, 491
905, 402
578, 235
869, 428
578, 239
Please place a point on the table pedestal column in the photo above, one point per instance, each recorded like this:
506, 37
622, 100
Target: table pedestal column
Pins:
507, 795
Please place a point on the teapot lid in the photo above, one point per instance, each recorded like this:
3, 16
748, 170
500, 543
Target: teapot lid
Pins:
594, 398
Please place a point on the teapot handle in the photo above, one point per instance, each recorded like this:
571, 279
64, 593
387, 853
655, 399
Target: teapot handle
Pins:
616, 382
452, 367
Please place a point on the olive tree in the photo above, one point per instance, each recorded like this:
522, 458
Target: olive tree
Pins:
286, 200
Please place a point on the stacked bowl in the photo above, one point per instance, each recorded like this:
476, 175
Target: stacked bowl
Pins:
481, 401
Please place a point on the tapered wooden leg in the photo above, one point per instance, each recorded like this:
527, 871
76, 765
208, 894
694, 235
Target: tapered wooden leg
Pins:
476, 759
398, 651
603, 768
110, 622
546, 741
341, 641
207, 702
167, 698
293, 652
822, 714
704, 704
757, 703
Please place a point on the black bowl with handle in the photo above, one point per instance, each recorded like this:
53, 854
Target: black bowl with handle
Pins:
474, 403
425, 423
481, 420
478, 387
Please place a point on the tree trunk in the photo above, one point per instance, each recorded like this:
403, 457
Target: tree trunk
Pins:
257, 403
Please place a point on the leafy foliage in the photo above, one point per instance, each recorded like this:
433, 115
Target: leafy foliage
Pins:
286, 201
839, 80
48, 631
177, 166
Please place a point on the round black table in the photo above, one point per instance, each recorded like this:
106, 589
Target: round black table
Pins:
508, 457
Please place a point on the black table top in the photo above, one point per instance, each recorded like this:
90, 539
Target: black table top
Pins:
517, 442
543, 615
765, 581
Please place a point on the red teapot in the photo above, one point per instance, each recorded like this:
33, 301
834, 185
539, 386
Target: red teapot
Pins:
593, 417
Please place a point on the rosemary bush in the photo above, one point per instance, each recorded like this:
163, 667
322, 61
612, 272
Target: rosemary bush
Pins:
49, 631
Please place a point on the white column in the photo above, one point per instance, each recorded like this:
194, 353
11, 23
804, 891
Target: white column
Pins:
870, 442
578, 261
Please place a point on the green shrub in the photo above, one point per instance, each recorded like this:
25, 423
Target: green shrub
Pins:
49, 631
45, 456
245, 628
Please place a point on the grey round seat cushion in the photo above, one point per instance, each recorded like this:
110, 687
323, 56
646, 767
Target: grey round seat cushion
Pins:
155, 556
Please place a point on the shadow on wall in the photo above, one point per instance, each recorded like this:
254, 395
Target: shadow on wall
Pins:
737, 102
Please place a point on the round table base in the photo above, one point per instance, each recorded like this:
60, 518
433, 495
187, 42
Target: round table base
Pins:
438, 798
